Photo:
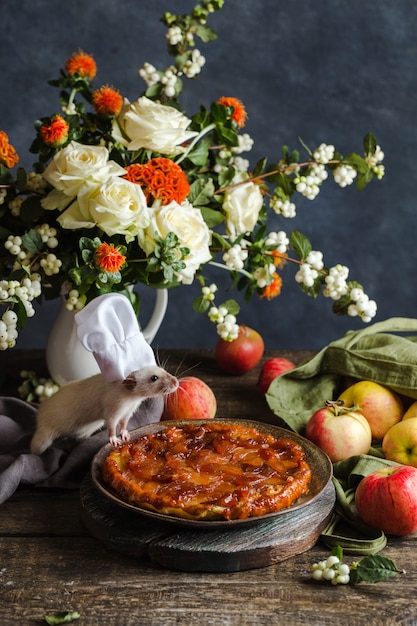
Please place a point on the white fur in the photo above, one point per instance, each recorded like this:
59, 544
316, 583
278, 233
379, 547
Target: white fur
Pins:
82, 407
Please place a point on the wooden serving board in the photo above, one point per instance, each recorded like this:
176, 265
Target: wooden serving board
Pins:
185, 549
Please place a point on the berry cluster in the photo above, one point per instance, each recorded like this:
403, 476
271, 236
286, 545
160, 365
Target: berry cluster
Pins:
227, 328
235, 257
332, 570
26, 290
74, 301
34, 389
8, 332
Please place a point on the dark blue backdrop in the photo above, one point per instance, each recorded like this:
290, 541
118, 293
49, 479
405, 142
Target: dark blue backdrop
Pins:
327, 71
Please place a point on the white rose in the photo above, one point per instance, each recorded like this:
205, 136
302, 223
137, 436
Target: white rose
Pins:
156, 127
117, 206
242, 205
188, 224
77, 164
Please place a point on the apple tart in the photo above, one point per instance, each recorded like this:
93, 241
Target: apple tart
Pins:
210, 471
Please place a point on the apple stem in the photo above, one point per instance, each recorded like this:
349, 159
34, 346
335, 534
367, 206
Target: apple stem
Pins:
339, 407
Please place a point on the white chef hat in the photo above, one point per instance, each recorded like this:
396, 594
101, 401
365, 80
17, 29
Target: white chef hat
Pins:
108, 328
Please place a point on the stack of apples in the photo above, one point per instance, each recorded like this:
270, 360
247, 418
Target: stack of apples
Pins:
365, 414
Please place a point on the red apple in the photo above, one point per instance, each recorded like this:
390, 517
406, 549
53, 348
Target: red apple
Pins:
340, 432
381, 406
387, 499
242, 354
271, 369
193, 399
400, 442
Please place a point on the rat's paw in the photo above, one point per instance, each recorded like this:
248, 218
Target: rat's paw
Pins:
125, 435
115, 441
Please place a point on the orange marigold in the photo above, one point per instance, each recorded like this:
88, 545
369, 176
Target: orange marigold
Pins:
107, 101
109, 258
82, 64
273, 289
55, 134
8, 155
239, 114
160, 179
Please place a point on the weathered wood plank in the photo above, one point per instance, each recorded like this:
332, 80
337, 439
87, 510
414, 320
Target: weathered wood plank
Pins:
109, 588
43, 512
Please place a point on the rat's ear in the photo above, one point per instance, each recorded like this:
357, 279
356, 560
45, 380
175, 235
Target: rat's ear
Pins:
130, 382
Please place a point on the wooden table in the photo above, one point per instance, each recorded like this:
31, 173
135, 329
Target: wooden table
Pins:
49, 562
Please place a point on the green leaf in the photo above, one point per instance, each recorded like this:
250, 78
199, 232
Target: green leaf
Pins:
375, 568
259, 167
205, 33
337, 551
369, 144
212, 217
281, 180
232, 306
21, 313
358, 162
364, 179
219, 242
62, 617
305, 146
300, 244
201, 192
220, 113
199, 154
21, 179
228, 135
314, 290
31, 209
201, 304
32, 241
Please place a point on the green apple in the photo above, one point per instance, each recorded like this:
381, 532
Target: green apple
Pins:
381, 406
400, 442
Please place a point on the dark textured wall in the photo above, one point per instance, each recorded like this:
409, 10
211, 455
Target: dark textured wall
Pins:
327, 71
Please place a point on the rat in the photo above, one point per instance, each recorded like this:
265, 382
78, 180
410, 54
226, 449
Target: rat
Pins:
80, 408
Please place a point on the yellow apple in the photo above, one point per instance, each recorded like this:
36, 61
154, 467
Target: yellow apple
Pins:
411, 411
400, 442
381, 406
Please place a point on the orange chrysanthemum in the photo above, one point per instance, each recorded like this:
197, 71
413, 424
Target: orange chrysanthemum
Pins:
109, 258
8, 155
82, 64
239, 114
55, 134
273, 289
107, 101
160, 179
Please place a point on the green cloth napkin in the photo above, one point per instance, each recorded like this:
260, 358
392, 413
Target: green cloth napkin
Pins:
372, 353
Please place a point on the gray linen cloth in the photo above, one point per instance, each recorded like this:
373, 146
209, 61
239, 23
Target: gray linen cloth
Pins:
65, 463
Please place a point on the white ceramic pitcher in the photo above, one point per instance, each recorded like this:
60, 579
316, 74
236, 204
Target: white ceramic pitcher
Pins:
68, 360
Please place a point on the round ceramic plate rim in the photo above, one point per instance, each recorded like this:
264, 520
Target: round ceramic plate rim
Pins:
277, 431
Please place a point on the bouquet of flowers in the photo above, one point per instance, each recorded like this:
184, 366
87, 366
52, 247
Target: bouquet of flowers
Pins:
126, 192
